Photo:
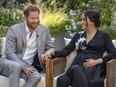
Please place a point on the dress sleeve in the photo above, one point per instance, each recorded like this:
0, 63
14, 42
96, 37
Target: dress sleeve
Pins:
68, 49
110, 49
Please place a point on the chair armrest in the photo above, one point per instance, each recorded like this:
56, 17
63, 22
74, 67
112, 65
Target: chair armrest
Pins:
111, 73
54, 67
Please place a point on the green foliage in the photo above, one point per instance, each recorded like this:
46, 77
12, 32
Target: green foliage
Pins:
54, 19
105, 8
9, 17
11, 13
110, 30
57, 19
3, 31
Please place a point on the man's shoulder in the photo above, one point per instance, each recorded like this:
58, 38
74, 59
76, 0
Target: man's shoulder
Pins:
41, 26
16, 26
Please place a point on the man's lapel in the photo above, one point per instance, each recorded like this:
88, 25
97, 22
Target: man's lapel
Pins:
39, 41
23, 34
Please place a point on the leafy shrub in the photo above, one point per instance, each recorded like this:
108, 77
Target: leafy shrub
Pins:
55, 20
9, 17
105, 8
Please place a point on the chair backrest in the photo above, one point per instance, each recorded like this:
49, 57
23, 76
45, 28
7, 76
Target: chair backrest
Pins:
71, 57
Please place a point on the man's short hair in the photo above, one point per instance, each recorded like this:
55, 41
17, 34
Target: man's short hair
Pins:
30, 8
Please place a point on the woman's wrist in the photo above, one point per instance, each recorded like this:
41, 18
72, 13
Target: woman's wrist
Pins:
100, 61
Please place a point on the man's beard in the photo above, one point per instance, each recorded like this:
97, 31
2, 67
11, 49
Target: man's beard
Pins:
33, 25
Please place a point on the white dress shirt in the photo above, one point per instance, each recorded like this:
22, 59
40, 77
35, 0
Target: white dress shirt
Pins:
31, 46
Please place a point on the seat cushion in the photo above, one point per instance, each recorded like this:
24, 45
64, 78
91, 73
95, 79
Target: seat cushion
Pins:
42, 82
69, 58
5, 83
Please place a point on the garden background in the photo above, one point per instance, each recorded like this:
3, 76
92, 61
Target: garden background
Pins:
61, 16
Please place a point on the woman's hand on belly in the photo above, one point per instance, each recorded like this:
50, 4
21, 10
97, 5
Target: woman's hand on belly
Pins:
91, 62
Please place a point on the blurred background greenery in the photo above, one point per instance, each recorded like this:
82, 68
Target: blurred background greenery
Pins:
59, 15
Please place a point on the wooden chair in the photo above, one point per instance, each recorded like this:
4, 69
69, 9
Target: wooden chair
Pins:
58, 66
53, 69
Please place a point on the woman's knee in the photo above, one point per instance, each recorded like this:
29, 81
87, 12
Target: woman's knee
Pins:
76, 68
63, 78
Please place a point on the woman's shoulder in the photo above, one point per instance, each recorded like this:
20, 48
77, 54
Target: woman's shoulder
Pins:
103, 34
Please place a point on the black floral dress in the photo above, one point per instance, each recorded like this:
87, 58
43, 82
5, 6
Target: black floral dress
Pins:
93, 50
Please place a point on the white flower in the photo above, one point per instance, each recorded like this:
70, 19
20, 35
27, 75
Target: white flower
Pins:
79, 23
67, 27
72, 13
87, 5
83, 4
